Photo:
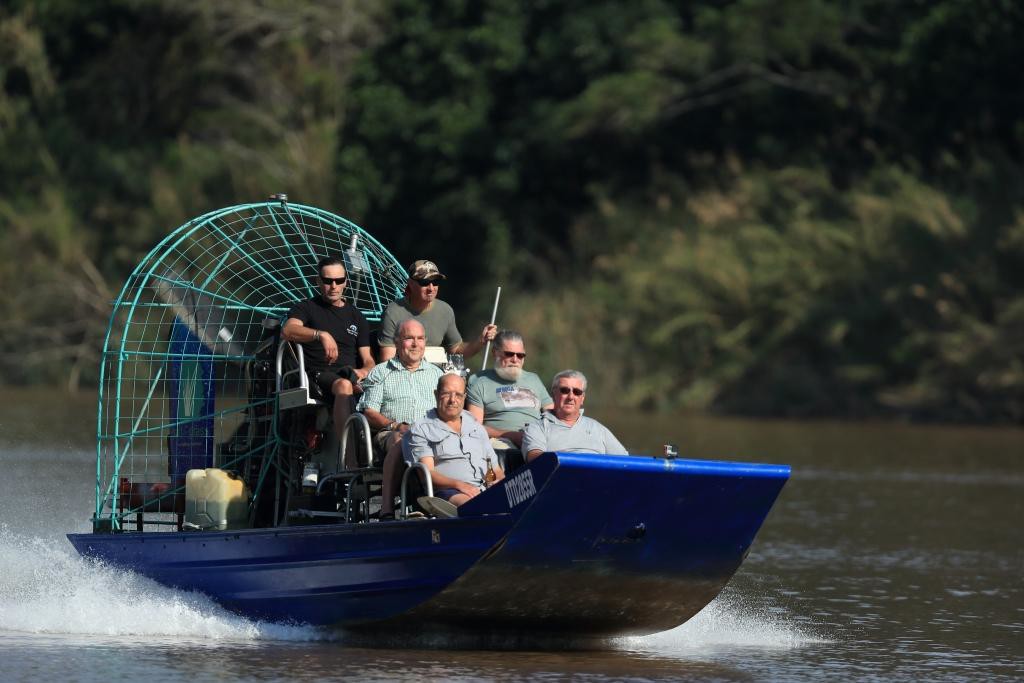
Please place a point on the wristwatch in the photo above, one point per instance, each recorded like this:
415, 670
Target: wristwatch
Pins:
316, 335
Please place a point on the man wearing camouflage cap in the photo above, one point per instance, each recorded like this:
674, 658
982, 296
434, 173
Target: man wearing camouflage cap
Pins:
437, 317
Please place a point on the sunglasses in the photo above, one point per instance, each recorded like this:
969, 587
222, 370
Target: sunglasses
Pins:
515, 354
333, 280
564, 391
426, 283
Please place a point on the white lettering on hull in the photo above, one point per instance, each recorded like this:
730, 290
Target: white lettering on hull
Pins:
520, 488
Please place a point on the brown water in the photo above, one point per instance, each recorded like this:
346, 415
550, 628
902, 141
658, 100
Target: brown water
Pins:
894, 553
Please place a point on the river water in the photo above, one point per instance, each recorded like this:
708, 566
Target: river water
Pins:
894, 553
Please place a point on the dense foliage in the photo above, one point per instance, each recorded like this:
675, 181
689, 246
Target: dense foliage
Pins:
122, 119
796, 207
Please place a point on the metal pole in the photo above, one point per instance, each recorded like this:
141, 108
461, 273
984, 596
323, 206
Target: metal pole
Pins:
494, 315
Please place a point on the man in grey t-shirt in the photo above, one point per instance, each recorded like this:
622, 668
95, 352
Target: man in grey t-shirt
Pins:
566, 428
506, 398
437, 317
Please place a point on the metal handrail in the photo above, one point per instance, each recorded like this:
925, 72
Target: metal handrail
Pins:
367, 442
300, 359
405, 478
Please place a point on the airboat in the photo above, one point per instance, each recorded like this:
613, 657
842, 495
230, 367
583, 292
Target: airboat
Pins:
198, 386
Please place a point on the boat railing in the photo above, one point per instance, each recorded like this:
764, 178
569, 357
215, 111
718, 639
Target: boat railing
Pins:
297, 396
362, 426
405, 482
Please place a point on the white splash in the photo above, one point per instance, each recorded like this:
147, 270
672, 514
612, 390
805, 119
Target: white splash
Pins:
46, 588
727, 622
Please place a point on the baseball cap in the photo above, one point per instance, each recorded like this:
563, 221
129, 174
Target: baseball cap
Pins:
425, 270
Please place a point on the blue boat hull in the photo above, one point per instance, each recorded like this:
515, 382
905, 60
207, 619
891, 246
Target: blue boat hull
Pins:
573, 544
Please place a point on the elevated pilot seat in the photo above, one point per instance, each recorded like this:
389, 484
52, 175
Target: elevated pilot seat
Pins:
305, 410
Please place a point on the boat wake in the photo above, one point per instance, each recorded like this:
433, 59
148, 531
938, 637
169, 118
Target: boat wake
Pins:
728, 622
46, 588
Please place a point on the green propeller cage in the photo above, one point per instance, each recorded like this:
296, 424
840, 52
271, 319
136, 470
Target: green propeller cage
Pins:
190, 318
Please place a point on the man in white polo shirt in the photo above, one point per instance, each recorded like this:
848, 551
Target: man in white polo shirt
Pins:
566, 428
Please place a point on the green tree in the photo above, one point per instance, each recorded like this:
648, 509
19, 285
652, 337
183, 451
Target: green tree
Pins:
120, 120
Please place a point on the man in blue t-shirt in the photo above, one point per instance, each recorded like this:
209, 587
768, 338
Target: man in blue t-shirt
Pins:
335, 339
507, 398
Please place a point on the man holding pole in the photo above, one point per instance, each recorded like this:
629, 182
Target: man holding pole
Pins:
437, 317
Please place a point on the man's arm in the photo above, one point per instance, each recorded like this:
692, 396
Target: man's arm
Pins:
367, 358
444, 482
468, 349
613, 446
371, 405
379, 420
372, 397
534, 441
545, 397
295, 330
477, 412
364, 357
386, 334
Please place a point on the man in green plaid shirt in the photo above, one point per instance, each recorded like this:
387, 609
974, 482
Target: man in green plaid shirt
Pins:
396, 394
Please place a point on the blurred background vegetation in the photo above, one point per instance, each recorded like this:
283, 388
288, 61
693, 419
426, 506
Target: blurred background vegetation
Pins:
765, 207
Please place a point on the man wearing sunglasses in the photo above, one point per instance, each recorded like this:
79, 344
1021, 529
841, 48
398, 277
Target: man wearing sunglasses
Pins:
566, 428
437, 317
506, 397
335, 339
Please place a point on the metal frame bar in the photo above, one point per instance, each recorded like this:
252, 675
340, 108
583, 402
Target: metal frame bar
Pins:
364, 426
236, 260
405, 478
